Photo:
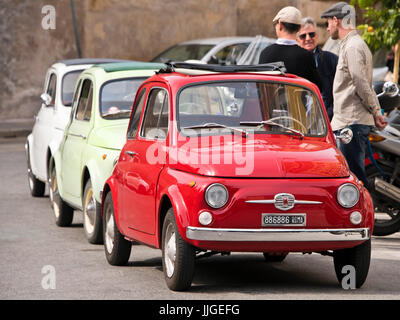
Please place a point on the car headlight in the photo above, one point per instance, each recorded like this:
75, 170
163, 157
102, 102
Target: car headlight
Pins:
348, 195
216, 195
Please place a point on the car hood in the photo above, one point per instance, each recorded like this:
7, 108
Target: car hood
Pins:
261, 158
109, 137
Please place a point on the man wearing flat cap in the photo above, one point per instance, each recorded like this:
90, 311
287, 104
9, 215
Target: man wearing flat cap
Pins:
297, 60
355, 103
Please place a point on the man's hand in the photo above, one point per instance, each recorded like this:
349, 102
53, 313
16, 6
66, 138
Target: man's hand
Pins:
380, 122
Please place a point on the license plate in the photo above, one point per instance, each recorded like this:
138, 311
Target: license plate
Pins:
277, 219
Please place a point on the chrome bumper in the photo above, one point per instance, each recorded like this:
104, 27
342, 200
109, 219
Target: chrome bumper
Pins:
277, 235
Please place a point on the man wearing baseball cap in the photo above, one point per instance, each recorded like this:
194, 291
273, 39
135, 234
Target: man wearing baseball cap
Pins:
355, 103
297, 60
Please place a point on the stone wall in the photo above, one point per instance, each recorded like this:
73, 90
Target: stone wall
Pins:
126, 29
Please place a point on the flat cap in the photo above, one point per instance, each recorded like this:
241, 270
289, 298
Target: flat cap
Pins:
289, 15
338, 10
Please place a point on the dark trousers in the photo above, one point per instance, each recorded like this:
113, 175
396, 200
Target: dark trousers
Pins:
356, 151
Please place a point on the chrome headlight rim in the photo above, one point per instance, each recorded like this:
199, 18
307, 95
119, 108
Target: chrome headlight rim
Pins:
340, 190
209, 189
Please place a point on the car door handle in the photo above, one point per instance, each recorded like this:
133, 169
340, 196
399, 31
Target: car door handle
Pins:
77, 135
130, 153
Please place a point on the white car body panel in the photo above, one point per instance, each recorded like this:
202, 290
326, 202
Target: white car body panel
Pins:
50, 123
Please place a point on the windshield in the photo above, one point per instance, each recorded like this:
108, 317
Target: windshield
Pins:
184, 52
257, 107
68, 86
116, 98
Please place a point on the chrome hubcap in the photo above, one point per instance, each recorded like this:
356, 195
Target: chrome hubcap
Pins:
89, 211
109, 234
170, 251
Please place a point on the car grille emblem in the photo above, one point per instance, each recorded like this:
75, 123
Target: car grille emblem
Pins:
284, 201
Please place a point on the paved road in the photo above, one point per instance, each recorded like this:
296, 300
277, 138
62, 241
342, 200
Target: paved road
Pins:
33, 248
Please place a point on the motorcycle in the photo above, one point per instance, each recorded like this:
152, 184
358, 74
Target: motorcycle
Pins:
383, 163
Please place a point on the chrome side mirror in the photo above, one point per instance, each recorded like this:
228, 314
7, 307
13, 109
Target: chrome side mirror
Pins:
46, 98
345, 135
390, 89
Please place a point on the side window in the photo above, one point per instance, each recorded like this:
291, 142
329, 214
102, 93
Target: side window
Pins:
51, 88
137, 111
85, 99
155, 124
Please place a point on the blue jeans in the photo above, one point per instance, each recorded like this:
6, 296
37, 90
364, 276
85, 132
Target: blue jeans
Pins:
356, 151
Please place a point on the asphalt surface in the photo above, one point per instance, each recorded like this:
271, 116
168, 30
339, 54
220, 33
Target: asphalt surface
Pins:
39, 260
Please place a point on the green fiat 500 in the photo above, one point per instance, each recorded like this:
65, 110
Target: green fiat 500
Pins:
93, 138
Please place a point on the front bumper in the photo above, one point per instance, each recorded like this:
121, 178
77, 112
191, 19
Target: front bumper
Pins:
277, 235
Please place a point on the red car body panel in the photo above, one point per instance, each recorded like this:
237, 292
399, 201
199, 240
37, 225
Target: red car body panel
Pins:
311, 168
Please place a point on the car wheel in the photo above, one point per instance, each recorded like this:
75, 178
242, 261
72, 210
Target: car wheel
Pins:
358, 257
178, 257
278, 257
92, 222
116, 247
63, 213
36, 187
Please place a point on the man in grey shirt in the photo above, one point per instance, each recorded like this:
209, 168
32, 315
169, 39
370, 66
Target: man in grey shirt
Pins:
355, 103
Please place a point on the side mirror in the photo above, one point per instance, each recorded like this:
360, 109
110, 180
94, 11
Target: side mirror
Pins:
46, 98
345, 135
390, 89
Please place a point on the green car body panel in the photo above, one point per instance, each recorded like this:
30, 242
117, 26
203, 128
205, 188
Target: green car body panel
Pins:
93, 145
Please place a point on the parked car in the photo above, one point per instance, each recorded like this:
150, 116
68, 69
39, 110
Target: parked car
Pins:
92, 140
222, 159
252, 54
222, 50
52, 118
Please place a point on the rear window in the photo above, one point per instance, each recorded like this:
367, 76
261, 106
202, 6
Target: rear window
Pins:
117, 96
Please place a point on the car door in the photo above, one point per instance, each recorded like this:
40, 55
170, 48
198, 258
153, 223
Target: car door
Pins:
42, 128
143, 159
76, 139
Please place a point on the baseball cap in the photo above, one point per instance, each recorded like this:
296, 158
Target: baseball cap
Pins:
338, 10
288, 14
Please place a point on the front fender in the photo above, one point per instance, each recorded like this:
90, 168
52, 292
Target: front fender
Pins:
177, 187
100, 164
111, 186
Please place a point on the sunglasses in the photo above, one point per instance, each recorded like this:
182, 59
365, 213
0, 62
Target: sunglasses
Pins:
304, 35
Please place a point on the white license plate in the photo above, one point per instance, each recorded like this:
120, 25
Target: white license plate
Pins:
278, 219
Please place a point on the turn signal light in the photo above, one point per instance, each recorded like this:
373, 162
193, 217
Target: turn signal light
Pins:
375, 138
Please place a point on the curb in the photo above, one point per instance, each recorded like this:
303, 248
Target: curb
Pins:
13, 128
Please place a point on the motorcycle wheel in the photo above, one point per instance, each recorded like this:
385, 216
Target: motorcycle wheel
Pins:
387, 211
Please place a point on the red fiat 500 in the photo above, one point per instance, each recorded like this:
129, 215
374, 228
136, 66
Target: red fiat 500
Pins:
223, 159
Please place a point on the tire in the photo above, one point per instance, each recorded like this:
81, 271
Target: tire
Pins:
178, 257
116, 247
63, 213
92, 222
36, 187
391, 209
274, 257
359, 257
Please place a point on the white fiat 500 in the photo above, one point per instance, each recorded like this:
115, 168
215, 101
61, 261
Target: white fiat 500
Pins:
52, 118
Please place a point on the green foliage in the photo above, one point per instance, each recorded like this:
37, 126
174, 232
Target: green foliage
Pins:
382, 22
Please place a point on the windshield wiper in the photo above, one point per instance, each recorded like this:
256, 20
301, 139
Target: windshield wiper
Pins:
269, 122
217, 125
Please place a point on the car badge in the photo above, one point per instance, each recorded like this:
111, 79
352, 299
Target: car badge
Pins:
284, 201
